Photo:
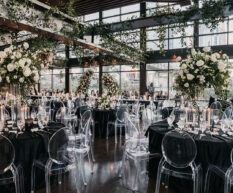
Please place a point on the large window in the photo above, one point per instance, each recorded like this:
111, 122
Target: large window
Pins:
162, 76
127, 76
53, 79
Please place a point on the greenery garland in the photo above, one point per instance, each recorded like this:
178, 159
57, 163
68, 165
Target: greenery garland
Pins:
110, 84
84, 82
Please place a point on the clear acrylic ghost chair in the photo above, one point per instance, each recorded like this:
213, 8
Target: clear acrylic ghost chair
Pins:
60, 160
119, 122
147, 118
136, 148
179, 152
9, 173
224, 173
83, 146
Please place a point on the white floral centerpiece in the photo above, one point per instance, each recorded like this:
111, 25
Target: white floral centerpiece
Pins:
20, 67
105, 102
85, 81
111, 85
202, 70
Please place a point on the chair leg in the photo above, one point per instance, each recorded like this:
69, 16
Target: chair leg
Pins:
137, 165
47, 175
227, 183
33, 179
159, 174
115, 133
59, 178
90, 162
207, 181
76, 174
81, 161
122, 163
15, 174
107, 131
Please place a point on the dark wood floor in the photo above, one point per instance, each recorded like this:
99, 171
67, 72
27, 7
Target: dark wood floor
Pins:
106, 174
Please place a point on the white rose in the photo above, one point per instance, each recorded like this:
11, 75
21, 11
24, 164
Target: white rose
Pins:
21, 63
1, 60
202, 79
25, 45
193, 52
28, 61
200, 63
206, 49
0, 79
18, 55
21, 80
26, 72
15, 77
10, 67
183, 66
178, 59
221, 66
181, 73
190, 77
186, 85
213, 58
2, 54
196, 71
8, 79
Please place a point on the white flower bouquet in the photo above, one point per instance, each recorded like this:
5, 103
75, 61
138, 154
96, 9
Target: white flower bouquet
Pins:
105, 102
20, 67
110, 84
202, 70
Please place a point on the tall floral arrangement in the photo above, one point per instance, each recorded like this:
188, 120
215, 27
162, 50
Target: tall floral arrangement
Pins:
20, 67
200, 70
85, 81
111, 85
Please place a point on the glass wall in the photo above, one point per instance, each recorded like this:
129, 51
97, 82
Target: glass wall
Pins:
53, 79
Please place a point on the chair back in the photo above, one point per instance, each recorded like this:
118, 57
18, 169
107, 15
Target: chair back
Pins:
179, 149
81, 110
131, 131
120, 114
85, 119
7, 154
57, 148
216, 105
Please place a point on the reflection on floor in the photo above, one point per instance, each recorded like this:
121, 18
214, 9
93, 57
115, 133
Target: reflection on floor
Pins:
106, 178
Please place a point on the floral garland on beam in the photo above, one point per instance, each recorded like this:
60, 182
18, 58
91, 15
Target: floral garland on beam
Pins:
111, 84
85, 81
201, 70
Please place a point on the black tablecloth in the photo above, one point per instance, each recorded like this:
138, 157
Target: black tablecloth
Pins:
101, 118
210, 150
30, 146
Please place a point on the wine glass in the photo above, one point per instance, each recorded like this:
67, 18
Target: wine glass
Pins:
171, 119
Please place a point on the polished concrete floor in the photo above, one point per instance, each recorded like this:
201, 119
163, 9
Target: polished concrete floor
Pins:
105, 178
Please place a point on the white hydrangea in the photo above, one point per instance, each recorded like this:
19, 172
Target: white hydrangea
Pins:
11, 67
26, 72
202, 79
28, 61
221, 66
190, 77
206, 49
36, 78
200, 63
213, 58
186, 85
25, 45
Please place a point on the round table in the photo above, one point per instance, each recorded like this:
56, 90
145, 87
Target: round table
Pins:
210, 150
30, 146
101, 118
